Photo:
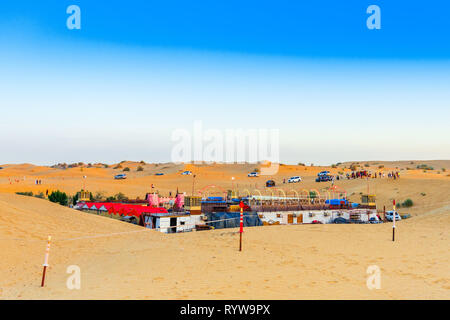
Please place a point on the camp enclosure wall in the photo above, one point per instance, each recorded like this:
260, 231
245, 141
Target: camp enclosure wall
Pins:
221, 220
308, 216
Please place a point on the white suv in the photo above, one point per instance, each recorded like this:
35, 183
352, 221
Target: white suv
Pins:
294, 179
253, 174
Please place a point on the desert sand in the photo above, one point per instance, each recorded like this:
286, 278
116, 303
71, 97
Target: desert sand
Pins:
123, 261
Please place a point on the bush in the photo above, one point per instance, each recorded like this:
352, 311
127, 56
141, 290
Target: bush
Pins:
75, 199
140, 168
120, 196
301, 164
126, 169
425, 167
407, 203
367, 165
118, 166
28, 194
58, 197
99, 196
381, 166
40, 195
312, 194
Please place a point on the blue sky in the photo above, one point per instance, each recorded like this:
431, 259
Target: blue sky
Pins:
137, 70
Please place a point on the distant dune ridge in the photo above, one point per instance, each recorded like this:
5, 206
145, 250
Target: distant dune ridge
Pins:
425, 187
123, 261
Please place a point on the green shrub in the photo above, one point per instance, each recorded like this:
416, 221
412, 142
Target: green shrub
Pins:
140, 168
58, 197
99, 196
408, 203
120, 196
40, 195
425, 167
126, 169
27, 193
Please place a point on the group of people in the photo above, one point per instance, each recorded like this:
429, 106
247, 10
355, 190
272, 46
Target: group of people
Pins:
365, 174
38, 181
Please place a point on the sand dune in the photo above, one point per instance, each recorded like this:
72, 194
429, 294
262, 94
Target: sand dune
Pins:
278, 262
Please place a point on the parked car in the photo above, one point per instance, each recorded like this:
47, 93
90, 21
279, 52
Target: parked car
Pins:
374, 220
253, 174
324, 178
390, 214
270, 183
340, 220
186, 173
323, 173
120, 176
294, 179
159, 174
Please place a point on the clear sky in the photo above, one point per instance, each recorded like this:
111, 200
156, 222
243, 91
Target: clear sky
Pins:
137, 70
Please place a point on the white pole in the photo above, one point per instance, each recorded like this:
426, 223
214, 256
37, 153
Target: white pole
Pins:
47, 253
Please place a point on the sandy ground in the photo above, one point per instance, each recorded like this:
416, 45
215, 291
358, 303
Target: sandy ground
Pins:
278, 262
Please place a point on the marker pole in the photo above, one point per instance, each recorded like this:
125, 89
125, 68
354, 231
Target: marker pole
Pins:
241, 230
47, 253
393, 223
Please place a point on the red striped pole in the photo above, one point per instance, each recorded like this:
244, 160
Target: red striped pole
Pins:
241, 230
393, 225
47, 253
